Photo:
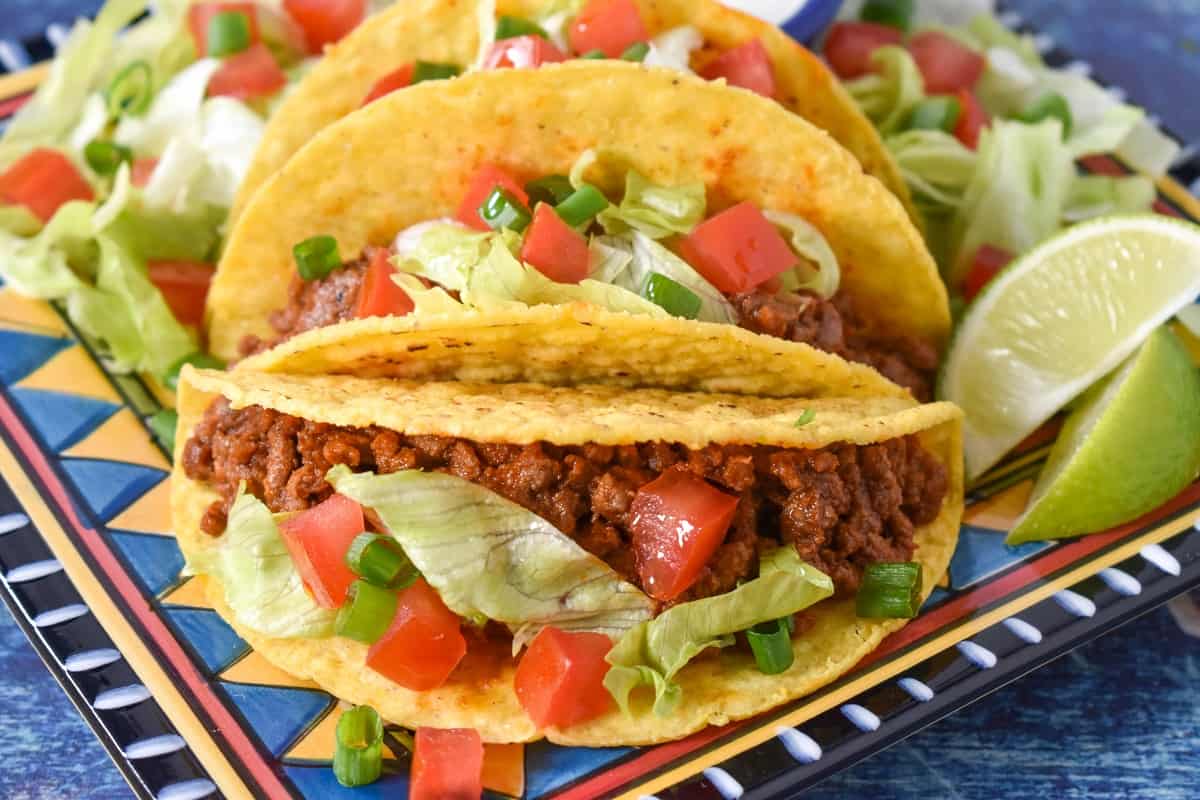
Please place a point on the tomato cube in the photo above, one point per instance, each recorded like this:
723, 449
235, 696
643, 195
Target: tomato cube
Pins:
737, 249
326, 21
988, 261
523, 52
946, 64
971, 121
424, 643
200, 14
318, 540
43, 180
607, 25
142, 171
446, 765
249, 74
560, 679
747, 66
850, 45
679, 521
554, 248
184, 285
389, 83
379, 295
486, 179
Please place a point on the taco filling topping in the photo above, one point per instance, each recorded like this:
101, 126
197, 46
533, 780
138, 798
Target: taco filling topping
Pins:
655, 251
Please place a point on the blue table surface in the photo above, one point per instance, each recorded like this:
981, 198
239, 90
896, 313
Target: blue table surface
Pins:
1119, 718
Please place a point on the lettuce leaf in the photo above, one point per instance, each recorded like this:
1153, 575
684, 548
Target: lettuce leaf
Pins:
888, 96
657, 211
673, 48
442, 250
490, 558
652, 653
648, 256
262, 587
1100, 195
818, 270
937, 167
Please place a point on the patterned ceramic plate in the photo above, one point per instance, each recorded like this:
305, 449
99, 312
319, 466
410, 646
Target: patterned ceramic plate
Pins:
90, 569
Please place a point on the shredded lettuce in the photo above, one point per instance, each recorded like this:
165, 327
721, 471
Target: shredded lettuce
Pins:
936, 166
888, 96
657, 211
554, 18
1101, 195
818, 270
652, 653
990, 32
490, 558
673, 48
252, 564
648, 256
442, 250
609, 258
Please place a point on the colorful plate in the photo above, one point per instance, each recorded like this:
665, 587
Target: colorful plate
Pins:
89, 568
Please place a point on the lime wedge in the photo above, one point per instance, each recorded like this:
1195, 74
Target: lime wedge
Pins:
1133, 444
1059, 319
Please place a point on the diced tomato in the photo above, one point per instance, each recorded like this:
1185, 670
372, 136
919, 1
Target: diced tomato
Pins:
487, 178
737, 249
326, 21
747, 66
142, 171
423, 645
560, 680
249, 74
389, 83
43, 180
521, 52
446, 765
849, 46
379, 295
318, 540
987, 262
971, 121
607, 25
946, 64
554, 248
504, 769
184, 285
200, 14
679, 521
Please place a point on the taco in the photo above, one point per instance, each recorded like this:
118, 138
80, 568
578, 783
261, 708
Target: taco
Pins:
642, 532
430, 39
638, 191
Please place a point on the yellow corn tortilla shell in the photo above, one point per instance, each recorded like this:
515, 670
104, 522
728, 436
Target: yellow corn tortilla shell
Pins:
716, 689
447, 31
407, 157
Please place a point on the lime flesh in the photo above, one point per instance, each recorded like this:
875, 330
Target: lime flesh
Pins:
1061, 318
1131, 445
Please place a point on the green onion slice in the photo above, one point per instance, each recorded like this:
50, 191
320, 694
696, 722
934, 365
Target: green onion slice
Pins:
508, 27
890, 591
380, 560
552, 189
675, 298
317, 257
105, 158
635, 52
228, 33
806, 416
162, 425
367, 613
198, 360
431, 71
501, 210
595, 55
584, 203
771, 643
893, 13
935, 114
358, 759
130, 91
1050, 105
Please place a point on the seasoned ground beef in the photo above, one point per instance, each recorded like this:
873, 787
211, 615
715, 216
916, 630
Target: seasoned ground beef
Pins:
842, 507
829, 325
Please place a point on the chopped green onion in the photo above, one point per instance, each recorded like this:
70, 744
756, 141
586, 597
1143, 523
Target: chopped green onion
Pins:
595, 55
317, 257
501, 210
675, 298
129, 92
228, 33
771, 643
510, 27
1050, 105
552, 189
367, 613
584, 203
198, 360
162, 425
105, 158
893, 13
635, 52
806, 416
431, 71
935, 114
358, 759
381, 561
890, 591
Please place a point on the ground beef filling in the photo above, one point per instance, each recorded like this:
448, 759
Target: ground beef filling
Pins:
830, 325
842, 507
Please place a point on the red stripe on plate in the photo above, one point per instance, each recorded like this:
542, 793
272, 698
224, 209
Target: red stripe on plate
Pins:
193, 680
13, 104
